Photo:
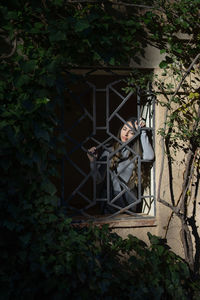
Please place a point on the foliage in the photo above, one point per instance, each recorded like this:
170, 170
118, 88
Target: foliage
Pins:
173, 29
183, 117
82, 263
179, 84
41, 253
181, 133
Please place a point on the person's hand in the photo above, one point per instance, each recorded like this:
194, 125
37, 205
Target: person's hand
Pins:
142, 123
94, 155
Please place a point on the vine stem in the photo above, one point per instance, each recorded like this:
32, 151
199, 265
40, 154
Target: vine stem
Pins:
121, 3
165, 125
181, 210
12, 51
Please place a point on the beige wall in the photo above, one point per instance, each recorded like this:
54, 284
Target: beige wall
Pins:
167, 224
164, 224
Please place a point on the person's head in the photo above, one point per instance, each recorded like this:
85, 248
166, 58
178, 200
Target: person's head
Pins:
128, 130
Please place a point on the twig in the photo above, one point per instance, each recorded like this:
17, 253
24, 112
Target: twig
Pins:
187, 178
189, 166
12, 51
169, 221
186, 74
112, 2
187, 244
44, 3
175, 209
163, 154
165, 119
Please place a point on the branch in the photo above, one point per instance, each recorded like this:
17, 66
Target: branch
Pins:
168, 223
189, 168
165, 119
175, 209
112, 2
44, 3
187, 244
186, 74
12, 51
162, 155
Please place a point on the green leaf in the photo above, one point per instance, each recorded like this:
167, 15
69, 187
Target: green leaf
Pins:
162, 51
112, 61
58, 2
25, 238
28, 66
81, 25
57, 36
179, 51
49, 188
12, 15
41, 133
163, 64
22, 80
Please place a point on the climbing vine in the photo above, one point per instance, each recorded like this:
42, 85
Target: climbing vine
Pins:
39, 41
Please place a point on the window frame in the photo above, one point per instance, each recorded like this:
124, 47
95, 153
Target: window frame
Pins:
118, 218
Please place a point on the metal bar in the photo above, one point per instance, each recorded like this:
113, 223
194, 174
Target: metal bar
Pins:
120, 106
94, 185
101, 144
138, 104
107, 109
107, 129
74, 165
154, 168
75, 124
108, 179
78, 145
123, 145
139, 179
101, 90
131, 161
114, 82
77, 100
94, 111
101, 128
79, 186
83, 196
116, 92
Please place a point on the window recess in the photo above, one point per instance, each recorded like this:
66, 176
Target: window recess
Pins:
92, 112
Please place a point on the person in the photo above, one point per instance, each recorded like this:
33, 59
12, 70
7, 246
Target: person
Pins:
123, 157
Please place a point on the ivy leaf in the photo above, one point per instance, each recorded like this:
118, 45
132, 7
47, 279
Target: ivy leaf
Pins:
58, 2
179, 51
112, 61
81, 25
22, 80
42, 133
25, 238
163, 64
49, 188
56, 36
28, 66
162, 51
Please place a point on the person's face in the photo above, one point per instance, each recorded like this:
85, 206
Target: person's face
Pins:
126, 132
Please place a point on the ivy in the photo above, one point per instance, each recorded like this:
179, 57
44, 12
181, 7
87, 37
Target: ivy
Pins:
43, 255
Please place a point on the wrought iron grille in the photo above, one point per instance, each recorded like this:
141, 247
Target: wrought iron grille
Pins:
94, 113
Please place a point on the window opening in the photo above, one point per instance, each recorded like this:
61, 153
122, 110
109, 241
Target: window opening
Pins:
95, 110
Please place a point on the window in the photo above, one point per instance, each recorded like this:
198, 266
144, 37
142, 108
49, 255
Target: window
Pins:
92, 113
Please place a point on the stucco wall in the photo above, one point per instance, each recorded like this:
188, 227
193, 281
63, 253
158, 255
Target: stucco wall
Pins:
164, 224
167, 224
